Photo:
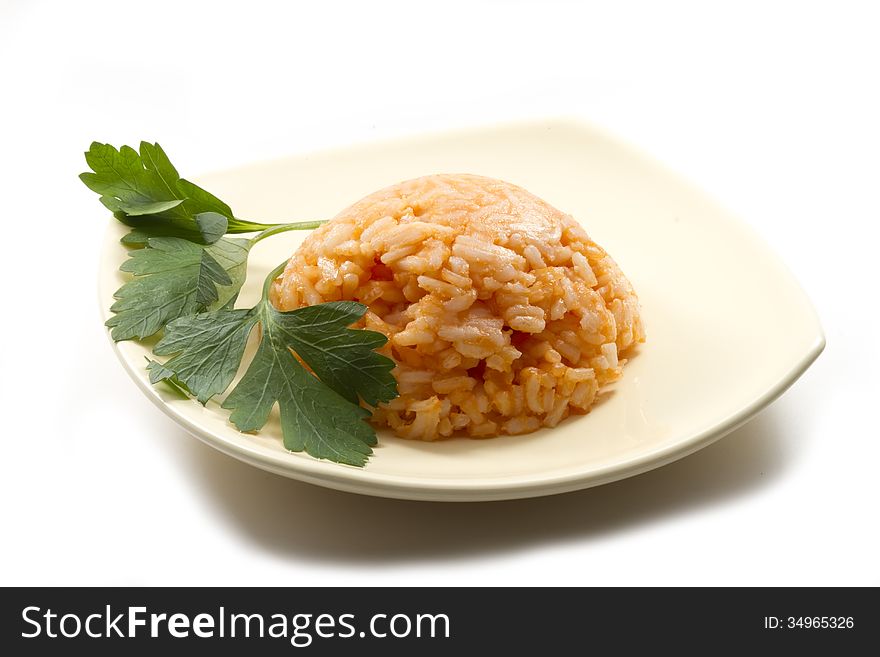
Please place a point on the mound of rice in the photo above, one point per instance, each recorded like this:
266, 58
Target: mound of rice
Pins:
502, 314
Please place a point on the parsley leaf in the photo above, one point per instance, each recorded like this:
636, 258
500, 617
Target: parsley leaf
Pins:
174, 277
319, 409
143, 190
211, 227
208, 347
313, 417
343, 358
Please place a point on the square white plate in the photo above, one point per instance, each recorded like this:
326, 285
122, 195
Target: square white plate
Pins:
729, 329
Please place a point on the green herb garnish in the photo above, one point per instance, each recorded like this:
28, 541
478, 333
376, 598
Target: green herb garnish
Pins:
186, 276
143, 190
174, 277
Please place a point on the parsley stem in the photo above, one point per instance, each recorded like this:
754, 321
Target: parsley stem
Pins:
283, 228
275, 273
244, 226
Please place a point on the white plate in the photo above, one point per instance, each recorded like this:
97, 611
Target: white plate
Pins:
729, 329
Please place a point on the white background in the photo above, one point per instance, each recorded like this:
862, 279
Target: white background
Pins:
771, 107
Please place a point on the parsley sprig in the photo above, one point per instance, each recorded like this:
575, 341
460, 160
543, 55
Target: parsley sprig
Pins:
185, 279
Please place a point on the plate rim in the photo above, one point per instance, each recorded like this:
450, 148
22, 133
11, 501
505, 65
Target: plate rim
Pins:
363, 481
